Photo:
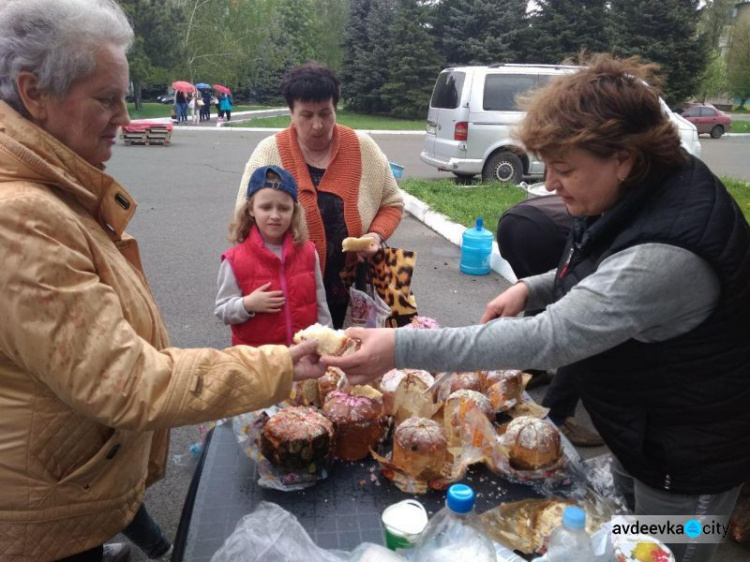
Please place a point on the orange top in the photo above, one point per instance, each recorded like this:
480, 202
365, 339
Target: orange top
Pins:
342, 177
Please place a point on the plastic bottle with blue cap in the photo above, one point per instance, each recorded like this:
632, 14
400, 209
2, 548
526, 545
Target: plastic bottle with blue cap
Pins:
569, 542
476, 249
454, 533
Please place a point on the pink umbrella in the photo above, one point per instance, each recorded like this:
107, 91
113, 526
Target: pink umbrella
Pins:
222, 89
182, 86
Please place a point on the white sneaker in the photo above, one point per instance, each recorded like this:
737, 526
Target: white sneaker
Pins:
166, 557
116, 552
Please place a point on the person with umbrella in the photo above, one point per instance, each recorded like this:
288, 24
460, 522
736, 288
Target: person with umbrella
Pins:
225, 101
205, 101
182, 92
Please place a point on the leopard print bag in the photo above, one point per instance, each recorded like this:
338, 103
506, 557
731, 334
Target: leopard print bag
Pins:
390, 271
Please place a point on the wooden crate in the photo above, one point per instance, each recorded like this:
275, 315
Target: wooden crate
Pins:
155, 134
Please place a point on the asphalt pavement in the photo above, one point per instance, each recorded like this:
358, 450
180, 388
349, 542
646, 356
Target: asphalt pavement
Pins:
186, 194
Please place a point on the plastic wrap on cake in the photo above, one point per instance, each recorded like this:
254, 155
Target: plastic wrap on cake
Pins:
248, 429
526, 525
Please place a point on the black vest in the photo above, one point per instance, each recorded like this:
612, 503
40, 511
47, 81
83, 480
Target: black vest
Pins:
675, 413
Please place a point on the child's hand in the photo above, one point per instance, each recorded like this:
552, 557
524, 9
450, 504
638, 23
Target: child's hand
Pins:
261, 300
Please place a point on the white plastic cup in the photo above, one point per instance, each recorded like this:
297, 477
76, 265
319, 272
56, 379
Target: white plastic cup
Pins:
403, 523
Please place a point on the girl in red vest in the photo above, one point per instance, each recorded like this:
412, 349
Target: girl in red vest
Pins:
270, 285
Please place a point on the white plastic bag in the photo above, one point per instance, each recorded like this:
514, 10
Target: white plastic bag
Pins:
272, 534
365, 310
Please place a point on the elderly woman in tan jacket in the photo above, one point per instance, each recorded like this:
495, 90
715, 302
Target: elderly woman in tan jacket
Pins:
89, 385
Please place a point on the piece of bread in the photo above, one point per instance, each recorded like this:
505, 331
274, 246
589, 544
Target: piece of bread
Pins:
405, 378
467, 380
329, 341
305, 393
455, 409
297, 437
333, 379
491, 377
505, 389
419, 447
359, 421
534, 444
351, 244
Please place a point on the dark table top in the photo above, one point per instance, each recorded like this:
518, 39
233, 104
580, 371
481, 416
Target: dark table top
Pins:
341, 511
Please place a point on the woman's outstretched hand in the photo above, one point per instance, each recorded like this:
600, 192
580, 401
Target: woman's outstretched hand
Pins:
305, 361
376, 355
510, 302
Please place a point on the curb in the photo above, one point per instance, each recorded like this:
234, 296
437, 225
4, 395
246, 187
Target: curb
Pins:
453, 232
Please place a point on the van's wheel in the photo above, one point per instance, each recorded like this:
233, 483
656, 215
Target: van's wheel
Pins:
717, 131
503, 166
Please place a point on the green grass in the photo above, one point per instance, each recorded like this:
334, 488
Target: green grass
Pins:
740, 126
740, 190
150, 110
463, 204
353, 120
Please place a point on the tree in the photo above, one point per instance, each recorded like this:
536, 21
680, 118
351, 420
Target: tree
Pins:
221, 38
666, 33
296, 31
716, 15
738, 64
413, 64
474, 32
366, 64
377, 64
156, 49
356, 43
561, 29
714, 79
329, 31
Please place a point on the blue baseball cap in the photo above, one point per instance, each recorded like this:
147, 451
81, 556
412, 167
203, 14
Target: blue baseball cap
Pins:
259, 180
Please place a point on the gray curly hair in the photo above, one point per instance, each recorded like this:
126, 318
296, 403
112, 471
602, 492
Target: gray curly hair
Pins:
56, 40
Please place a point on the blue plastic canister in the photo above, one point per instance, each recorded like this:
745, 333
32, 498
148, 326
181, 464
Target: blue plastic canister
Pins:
476, 248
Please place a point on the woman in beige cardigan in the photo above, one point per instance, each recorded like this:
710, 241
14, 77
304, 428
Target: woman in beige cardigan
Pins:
345, 181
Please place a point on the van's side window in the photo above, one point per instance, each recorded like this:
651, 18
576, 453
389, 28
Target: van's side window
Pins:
447, 94
500, 90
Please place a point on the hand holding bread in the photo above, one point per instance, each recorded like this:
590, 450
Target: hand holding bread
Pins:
305, 362
327, 340
374, 356
366, 244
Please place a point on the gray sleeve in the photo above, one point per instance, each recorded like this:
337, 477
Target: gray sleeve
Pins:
324, 315
229, 307
540, 290
651, 292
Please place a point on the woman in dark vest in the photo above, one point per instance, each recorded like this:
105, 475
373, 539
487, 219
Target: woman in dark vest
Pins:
648, 311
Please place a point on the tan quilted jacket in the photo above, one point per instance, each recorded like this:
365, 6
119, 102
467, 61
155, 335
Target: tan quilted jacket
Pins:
88, 384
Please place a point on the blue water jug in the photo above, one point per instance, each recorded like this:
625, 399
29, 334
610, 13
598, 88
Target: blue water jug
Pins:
476, 249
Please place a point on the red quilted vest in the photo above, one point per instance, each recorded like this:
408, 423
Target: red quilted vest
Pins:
254, 265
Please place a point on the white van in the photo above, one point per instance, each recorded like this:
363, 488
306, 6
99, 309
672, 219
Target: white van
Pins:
473, 109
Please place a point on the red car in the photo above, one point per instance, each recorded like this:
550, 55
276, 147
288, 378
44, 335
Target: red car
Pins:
708, 119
